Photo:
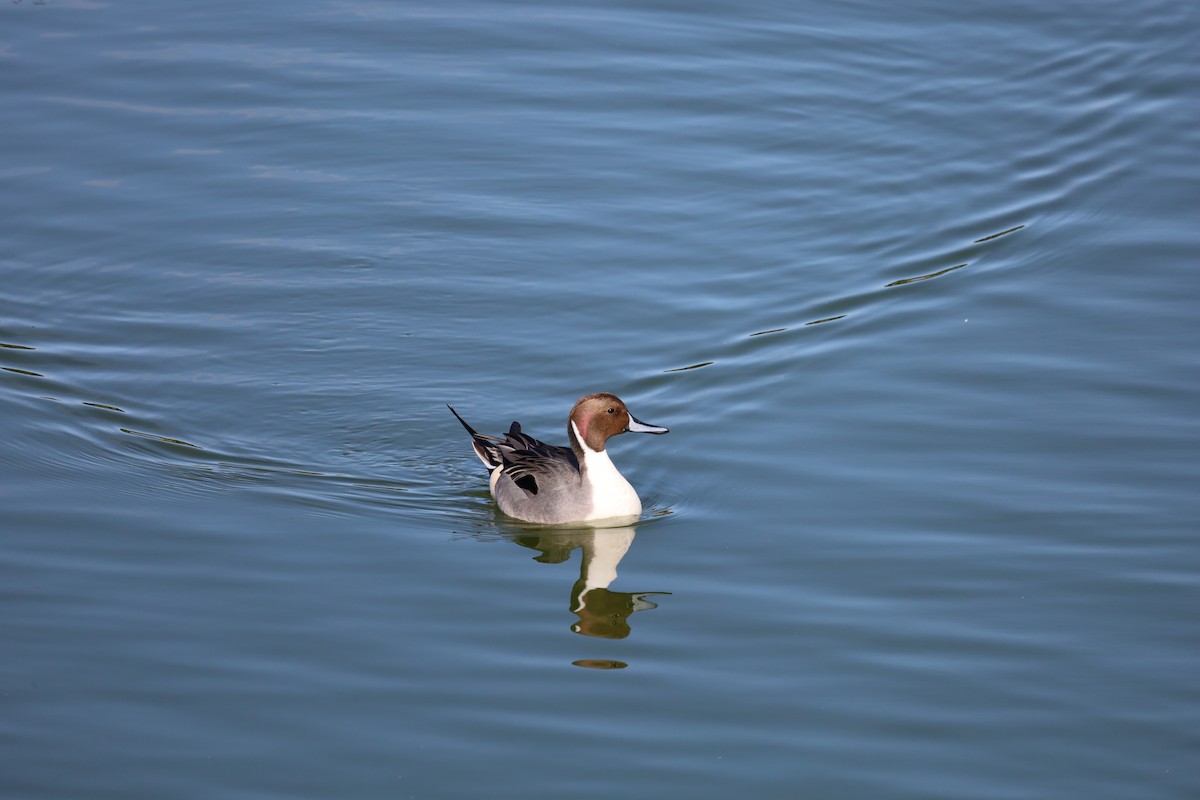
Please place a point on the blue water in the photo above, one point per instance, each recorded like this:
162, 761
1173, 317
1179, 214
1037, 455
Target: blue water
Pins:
913, 286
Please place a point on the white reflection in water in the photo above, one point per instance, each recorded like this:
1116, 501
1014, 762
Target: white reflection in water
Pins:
602, 612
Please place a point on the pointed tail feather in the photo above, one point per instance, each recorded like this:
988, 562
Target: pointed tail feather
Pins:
470, 430
483, 446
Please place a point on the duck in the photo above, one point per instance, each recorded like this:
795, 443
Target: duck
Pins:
548, 484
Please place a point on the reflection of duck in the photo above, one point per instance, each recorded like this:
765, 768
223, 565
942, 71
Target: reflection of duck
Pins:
601, 612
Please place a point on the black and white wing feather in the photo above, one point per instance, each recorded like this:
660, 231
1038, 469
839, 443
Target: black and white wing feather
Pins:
523, 458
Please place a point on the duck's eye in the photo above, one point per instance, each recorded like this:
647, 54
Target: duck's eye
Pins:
612, 411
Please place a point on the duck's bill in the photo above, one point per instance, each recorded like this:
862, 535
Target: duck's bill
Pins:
637, 426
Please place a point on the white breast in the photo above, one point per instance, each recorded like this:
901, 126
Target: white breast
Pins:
611, 494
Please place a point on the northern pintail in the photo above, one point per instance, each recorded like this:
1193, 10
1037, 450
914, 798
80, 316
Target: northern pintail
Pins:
538, 482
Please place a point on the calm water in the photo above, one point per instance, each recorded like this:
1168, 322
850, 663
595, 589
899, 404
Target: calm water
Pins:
914, 287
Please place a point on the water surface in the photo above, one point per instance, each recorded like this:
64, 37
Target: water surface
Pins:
913, 288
